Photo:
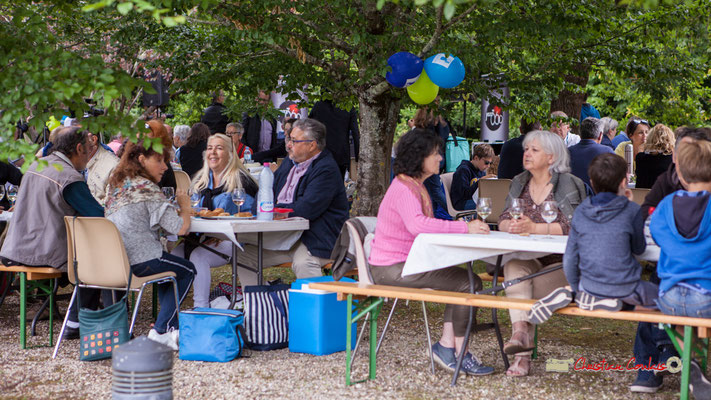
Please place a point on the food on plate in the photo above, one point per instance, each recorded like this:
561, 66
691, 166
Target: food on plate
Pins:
224, 214
243, 214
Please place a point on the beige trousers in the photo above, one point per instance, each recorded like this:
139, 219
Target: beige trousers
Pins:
302, 262
534, 288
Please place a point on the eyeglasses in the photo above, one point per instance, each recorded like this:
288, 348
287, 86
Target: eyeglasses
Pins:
288, 139
233, 133
640, 121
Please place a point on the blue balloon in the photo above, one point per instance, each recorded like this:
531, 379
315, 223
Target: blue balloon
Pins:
445, 71
406, 68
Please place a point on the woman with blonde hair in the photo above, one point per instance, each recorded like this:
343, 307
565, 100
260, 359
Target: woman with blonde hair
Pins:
222, 172
657, 156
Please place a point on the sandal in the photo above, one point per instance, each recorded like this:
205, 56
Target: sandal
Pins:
520, 367
520, 340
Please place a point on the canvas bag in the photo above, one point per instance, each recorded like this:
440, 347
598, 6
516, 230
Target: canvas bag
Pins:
266, 313
209, 334
457, 149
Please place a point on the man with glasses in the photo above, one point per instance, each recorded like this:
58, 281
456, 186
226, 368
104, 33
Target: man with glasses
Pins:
235, 130
37, 236
310, 183
465, 180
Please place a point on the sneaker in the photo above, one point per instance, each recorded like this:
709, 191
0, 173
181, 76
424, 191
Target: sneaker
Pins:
444, 356
70, 333
646, 382
586, 301
698, 384
545, 307
472, 366
169, 338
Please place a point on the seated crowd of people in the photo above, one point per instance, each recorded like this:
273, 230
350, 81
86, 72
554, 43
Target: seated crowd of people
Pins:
585, 177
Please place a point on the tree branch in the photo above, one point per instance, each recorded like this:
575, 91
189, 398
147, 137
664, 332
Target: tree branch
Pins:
435, 35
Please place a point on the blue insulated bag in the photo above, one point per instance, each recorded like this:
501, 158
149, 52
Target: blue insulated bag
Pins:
211, 334
456, 149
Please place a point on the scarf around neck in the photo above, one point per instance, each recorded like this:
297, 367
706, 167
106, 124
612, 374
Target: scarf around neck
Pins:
134, 190
418, 189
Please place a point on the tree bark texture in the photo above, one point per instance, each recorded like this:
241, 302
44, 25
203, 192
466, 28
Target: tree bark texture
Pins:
378, 119
571, 102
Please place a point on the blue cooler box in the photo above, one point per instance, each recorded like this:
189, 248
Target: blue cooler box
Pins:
317, 321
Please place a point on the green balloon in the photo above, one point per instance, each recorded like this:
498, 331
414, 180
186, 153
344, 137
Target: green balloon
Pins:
52, 123
423, 91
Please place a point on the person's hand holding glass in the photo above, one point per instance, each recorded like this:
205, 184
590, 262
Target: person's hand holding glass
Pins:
519, 223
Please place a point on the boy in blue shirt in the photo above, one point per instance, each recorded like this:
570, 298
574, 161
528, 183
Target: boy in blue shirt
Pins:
606, 231
465, 180
681, 226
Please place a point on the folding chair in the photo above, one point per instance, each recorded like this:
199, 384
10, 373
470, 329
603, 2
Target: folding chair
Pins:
102, 263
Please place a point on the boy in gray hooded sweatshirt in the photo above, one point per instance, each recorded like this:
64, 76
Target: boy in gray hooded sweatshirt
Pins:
606, 230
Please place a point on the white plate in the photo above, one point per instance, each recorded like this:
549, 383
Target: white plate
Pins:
226, 217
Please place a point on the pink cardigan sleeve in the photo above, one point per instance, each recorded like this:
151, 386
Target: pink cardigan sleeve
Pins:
416, 222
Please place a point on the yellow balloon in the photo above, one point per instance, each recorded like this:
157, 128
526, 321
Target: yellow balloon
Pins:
423, 91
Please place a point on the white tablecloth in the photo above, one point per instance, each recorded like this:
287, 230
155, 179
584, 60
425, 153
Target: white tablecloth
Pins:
277, 235
432, 251
6, 215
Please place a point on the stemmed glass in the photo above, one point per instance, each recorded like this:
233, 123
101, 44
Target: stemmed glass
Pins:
483, 208
238, 197
2, 191
549, 212
194, 198
169, 193
12, 194
516, 208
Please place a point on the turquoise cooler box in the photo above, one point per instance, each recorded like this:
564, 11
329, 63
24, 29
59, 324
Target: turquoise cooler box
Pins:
317, 321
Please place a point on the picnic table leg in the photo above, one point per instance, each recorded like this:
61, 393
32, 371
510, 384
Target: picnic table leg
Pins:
23, 310
349, 322
686, 362
260, 249
495, 317
234, 276
465, 344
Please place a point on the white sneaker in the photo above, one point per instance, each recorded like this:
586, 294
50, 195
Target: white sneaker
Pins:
169, 338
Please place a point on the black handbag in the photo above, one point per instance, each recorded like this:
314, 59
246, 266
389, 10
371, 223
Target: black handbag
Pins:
101, 331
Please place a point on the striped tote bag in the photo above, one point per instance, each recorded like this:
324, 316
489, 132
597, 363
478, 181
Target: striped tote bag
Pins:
266, 316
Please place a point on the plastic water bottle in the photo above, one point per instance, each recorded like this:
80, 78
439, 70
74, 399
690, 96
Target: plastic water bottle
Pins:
247, 155
265, 196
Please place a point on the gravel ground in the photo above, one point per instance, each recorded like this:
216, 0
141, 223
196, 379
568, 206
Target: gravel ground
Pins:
403, 367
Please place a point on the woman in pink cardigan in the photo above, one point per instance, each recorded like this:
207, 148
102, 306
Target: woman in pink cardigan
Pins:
405, 212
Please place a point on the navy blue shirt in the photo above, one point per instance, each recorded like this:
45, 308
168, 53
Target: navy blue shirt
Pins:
511, 158
582, 154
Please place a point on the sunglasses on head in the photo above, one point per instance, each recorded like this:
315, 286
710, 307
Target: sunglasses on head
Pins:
640, 121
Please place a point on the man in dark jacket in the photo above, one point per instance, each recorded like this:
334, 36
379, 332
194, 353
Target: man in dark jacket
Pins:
340, 125
582, 154
652, 343
308, 181
214, 116
511, 157
465, 180
259, 134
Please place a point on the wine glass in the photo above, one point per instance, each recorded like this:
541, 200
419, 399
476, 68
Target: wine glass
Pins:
2, 191
516, 210
12, 194
549, 212
483, 208
194, 198
169, 193
238, 197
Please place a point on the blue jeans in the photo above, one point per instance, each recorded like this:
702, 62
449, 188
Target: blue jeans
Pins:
184, 274
650, 341
686, 302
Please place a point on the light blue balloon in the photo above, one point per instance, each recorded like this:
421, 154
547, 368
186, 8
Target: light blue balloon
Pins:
445, 71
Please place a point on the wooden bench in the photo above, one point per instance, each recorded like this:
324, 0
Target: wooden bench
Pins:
43, 279
372, 296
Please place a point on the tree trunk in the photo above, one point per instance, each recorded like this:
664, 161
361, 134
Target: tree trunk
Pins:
378, 119
572, 102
